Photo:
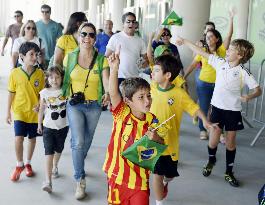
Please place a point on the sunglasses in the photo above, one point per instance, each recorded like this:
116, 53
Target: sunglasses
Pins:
130, 21
45, 12
84, 34
32, 28
165, 34
16, 16
55, 115
55, 107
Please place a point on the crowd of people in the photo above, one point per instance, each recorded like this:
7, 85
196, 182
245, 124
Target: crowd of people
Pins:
61, 81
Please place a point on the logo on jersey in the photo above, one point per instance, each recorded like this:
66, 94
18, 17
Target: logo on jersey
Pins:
36, 83
146, 154
170, 101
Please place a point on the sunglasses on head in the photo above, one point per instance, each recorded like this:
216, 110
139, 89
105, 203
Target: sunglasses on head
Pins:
31, 28
84, 34
45, 12
166, 34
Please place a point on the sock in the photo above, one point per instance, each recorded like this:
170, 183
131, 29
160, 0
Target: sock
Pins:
28, 161
159, 202
20, 164
212, 153
230, 158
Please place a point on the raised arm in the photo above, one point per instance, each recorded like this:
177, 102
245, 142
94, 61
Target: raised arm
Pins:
158, 35
227, 39
150, 49
114, 93
181, 41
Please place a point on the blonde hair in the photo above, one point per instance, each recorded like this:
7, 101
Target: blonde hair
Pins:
22, 30
244, 49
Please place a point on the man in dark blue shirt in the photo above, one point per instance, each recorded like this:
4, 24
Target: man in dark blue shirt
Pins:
103, 38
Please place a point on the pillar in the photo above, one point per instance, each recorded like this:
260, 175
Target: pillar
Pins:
116, 11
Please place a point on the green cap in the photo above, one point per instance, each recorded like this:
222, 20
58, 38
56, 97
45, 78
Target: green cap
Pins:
173, 19
160, 50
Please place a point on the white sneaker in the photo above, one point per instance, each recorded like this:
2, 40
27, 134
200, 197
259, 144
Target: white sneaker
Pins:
203, 135
80, 192
47, 186
55, 173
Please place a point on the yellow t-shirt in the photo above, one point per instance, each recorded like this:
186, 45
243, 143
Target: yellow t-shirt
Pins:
166, 103
208, 73
178, 81
26, 89
78, 78
67, 43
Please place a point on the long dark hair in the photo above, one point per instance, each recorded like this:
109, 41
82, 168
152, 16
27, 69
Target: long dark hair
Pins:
218, 43
74, 22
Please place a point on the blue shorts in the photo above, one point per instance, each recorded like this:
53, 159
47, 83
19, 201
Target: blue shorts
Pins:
25, 129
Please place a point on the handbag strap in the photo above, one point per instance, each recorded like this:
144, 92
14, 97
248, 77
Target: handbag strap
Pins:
89, 69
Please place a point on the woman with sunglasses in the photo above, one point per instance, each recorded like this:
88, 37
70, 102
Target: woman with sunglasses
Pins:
85, 81
28, 33
69, 40
163, 37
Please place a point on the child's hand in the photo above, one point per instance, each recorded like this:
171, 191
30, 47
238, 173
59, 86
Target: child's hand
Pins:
114, 60
152, 135
232, 12
244, 98
179, 41
8, 118
207, 125
36, 108
39, 129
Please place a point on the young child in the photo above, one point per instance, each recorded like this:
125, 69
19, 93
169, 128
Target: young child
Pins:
231, 76
55, 125
24, 85
127, 182
169, 99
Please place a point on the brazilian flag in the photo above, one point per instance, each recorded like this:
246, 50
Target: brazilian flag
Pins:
144, 152
173, 19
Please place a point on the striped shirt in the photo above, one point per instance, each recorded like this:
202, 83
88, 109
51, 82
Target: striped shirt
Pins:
126, 130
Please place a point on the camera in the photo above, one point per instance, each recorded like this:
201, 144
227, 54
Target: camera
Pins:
77, 98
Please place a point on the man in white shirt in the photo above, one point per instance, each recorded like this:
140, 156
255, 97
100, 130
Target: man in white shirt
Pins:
131, 46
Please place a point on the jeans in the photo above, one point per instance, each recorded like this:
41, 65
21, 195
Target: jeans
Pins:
205, 93
83, 120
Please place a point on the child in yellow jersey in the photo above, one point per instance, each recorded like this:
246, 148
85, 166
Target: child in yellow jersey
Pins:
169, 99
127, 182
25, 83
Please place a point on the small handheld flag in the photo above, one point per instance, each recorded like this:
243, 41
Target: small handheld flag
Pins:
173, 19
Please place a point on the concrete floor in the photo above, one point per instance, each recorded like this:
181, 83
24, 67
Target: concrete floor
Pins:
191, 188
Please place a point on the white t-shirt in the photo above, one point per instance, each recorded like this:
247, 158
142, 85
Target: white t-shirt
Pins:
228, 84
18, 42
131, 49
55, 111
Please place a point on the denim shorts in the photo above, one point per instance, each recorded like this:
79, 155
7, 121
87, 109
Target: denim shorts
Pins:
53, 140
25, 129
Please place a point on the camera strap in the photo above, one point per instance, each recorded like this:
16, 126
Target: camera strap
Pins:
89, 69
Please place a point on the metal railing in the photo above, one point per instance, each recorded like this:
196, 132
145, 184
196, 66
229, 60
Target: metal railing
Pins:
258, 111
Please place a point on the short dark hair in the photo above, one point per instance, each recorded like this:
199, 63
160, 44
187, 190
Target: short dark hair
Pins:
75, 18
124, 16
53, 69
27, 46
45, 6
210, 23
131, 85
244, 49
169, 64
18, 12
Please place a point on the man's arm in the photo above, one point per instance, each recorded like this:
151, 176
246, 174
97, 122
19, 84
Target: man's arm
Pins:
181, 41
4, 45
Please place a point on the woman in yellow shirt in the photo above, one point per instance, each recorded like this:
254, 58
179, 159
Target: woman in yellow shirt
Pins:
86, 84
69, 40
